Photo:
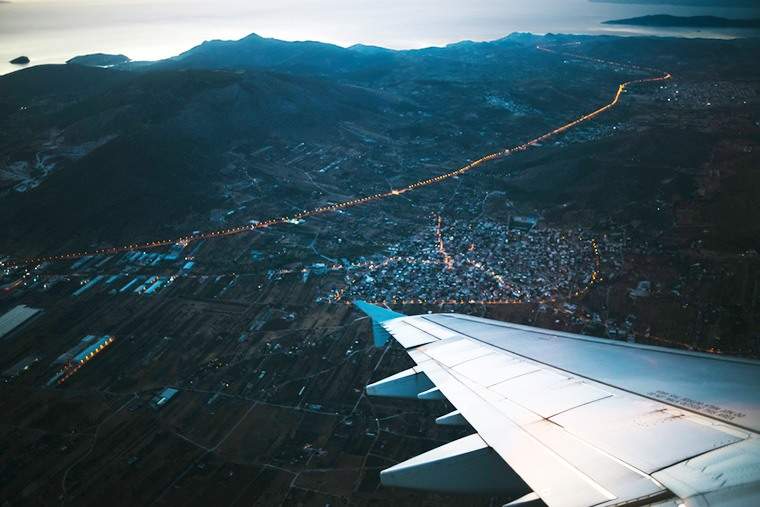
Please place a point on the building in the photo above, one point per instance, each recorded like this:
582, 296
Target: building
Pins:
164, 396
15, 317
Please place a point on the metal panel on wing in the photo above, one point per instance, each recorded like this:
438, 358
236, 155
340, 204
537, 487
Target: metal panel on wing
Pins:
494, 368
636, 430
408, 336
548, 393
672, 376
453, 351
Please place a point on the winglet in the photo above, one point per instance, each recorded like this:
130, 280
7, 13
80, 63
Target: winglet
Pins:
378, 314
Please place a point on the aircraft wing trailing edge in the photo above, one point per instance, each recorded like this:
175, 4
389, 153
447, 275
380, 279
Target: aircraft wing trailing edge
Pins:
567, 420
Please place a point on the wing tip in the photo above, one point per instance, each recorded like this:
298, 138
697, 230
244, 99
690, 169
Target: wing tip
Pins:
377, 313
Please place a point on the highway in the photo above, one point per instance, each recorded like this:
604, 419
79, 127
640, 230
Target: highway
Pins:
658, 76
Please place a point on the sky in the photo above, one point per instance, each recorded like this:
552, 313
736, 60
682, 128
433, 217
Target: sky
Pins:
51, 31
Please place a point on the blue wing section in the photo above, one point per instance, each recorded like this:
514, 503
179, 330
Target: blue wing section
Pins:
378, 314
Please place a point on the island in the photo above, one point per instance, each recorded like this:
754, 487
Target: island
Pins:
21, 60
98, 60
666, 20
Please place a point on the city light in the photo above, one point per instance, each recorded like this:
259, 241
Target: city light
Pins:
437, 259
662, 76
447, 260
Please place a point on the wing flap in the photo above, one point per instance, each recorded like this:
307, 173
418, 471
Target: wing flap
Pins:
495, 368
555, 480
456, 350
623, 480
548, 393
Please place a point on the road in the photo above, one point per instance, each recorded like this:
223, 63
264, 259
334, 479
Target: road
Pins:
359, 201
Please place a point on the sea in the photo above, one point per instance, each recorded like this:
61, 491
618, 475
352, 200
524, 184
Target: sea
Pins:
53, 31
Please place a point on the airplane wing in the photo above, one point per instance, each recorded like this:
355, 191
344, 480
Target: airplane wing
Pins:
572, 421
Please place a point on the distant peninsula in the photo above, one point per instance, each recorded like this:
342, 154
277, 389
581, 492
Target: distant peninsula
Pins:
98, 60
665, 20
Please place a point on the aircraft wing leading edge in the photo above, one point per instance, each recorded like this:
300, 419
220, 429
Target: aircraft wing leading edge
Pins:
571, 421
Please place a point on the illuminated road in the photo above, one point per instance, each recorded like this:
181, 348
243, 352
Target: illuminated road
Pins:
661, 76
447, 260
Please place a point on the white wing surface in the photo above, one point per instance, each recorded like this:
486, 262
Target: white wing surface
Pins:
571, 421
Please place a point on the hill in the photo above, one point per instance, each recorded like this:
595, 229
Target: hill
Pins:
232, 131
135, 154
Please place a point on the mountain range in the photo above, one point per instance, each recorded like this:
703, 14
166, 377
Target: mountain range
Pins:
97, 156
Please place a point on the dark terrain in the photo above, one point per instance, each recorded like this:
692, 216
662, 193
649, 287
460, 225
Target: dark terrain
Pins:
268, 361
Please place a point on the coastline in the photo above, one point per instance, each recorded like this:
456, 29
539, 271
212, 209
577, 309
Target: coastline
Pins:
617, 30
